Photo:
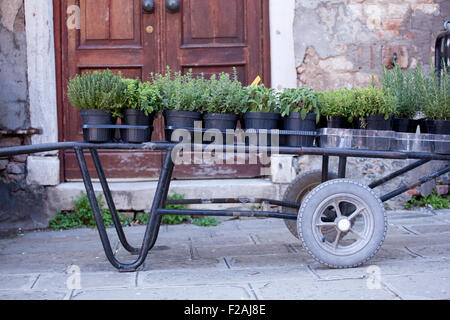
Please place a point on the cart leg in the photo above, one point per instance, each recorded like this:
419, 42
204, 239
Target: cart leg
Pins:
111, 205
162, 200
342, 167
152, 226
325, 166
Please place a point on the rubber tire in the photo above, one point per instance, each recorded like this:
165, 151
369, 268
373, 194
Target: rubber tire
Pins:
313, 200
298, 190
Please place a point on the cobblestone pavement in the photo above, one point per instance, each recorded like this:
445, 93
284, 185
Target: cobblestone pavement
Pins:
240, 259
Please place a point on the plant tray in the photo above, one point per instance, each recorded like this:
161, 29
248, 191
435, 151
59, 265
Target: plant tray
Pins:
414, 142
357, 139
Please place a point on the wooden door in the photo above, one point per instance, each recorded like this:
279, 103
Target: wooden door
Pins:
213, 36
207, 36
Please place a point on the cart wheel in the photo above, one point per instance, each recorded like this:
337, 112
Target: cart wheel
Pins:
358, 221
298, 190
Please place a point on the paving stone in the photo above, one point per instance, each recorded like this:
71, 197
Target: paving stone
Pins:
424, 286
160, 278
17, 281
225, 292
270, 261
319, 290
33, 295
97, 280
225, 251
439, 228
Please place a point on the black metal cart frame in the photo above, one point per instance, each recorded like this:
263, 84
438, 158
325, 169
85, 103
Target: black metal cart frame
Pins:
160, 199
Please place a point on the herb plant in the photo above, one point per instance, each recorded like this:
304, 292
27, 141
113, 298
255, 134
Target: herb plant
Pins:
341, 102
407, 88
225, 94
260, 99
372, 101
141, 96
97, 90
303, 100
181, 92
437, 96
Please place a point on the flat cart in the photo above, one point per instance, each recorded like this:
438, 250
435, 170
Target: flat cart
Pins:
340, 222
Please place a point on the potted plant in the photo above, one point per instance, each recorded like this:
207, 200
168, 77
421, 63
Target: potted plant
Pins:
261, 109
178, 103
374, 109
337, 106
141, 103
407, 89
300, 112
437, 103
223, 102
99, 97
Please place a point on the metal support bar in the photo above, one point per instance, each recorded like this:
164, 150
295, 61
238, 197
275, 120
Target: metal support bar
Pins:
110, 202
288, 204
163, 146
423, 180
227, 213
398, 173
325, 168
342, 167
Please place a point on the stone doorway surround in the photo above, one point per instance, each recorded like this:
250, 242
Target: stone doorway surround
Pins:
42, 169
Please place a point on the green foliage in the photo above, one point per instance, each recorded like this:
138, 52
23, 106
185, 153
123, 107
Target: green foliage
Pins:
142, 218
82, 216
341, 102
407, 88
303, 100
206, 222
434, 200
97, 90
225, 94
260, 99
171, 219
181, 92
371, 101
437, 96
141, 96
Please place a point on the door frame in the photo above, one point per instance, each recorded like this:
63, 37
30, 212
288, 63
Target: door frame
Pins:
61, 51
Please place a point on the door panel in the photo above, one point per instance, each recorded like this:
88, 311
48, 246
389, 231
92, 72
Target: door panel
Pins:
111, 36
206, 36
213, 36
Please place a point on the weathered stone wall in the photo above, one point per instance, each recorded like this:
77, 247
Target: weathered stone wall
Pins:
342, 43
22, 206
13, 66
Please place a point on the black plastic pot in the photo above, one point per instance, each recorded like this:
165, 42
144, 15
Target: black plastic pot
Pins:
137, 118
405, 125
97, 118
379, 122
262, 120
338, 122
436, 126
222, 122
180, 119
295, 122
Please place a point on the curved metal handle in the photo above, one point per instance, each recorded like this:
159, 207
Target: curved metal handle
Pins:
148, 6
173, 5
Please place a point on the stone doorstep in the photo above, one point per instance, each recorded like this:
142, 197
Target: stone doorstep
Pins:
138, 196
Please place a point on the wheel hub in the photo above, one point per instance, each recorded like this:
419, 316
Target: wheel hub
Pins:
344, 225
